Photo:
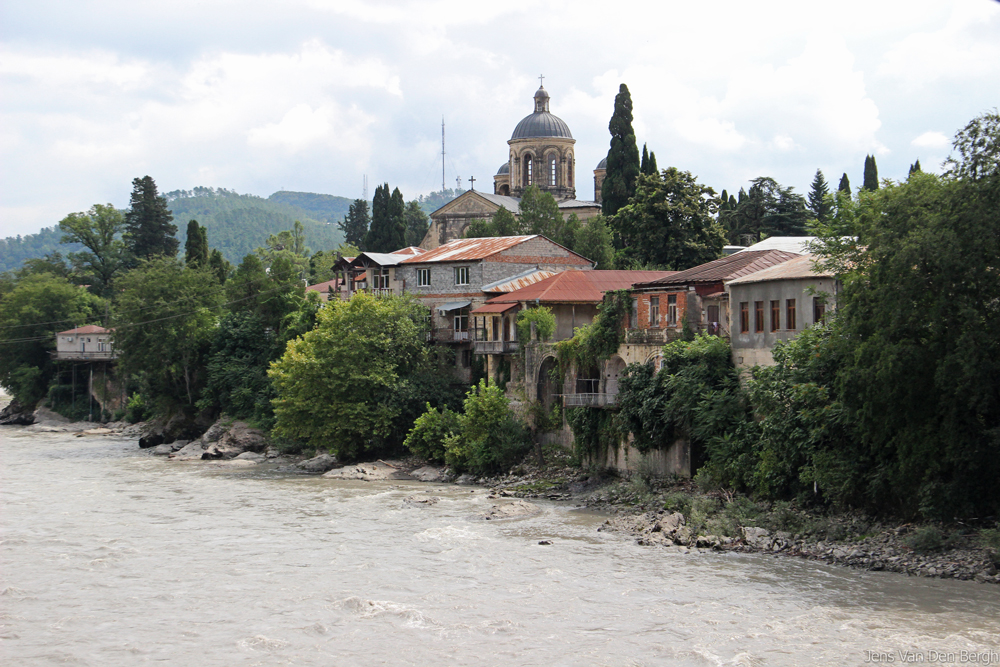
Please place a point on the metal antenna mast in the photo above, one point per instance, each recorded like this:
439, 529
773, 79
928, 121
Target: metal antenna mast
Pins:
442, 153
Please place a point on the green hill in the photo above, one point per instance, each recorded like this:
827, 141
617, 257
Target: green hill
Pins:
325, 208
14, 250
238, 224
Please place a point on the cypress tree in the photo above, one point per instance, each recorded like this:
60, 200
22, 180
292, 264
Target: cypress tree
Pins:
149, 228
388, 230
915, 168
219, 265
396, 238
196, 245
819, 202
845, 185
871, 174
623, 156
355, 223
652, 163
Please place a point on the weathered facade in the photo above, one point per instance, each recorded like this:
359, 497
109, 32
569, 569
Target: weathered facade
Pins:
776, 304
88, 343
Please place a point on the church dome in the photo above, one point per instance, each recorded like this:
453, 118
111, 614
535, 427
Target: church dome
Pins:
504, 169
603, 164
541, 123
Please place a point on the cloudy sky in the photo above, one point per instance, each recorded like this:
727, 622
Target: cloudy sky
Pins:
312, 95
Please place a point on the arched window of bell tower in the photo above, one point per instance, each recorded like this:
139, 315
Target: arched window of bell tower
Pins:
528, 167
552, 170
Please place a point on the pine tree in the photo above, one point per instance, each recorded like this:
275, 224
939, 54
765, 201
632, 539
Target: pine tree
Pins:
915, 168
845, 185
355, 223
219, 265
819, 201
149, 228
196, 245
871, 174
623, 157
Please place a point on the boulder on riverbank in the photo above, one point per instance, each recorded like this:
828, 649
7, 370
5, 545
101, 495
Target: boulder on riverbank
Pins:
239, 437
178, 426
515, 509
318, 464
370, 472
15, 414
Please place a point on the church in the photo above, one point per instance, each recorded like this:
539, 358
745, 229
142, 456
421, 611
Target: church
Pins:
541, 154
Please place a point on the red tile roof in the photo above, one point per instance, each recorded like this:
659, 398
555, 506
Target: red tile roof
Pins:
461, 250
579, 286
89, 329
726, 268
325, 287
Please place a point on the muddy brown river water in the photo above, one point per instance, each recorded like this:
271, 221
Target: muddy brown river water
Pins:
109, 556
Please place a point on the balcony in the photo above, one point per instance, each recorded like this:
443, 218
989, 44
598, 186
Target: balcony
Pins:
495, 346
447, 335
379, 291
589, 400
89, 355
645, 336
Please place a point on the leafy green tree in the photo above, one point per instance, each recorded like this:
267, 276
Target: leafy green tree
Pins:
417, 223
242, 348
539, 213
165, 319
593, 241
219, 265
492, 440
196, 245
503, 223
670, 222
768, 209
149, 228
845, 185
355, 223
337, 385
288, 246
977, 149
431, 431
871, 174
623, 156
38, 306
819, 200
99, 231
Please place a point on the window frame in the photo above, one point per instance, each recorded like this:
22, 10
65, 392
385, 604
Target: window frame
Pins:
758, 317
819, 310
654, 312
775, 315
744, 317
460, 272
790, 319
671, 310
423, 277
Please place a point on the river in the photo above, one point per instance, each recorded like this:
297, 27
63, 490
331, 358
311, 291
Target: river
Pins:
110, 556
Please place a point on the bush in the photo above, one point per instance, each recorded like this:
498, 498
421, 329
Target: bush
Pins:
545, 323
430, 431
928, 538
990, 541
491, 440
136, 410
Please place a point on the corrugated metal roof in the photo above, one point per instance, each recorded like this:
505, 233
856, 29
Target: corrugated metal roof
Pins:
577, 203
796, 244
727, 268
493, 308
523, 279
578, 286
461, 250
380, 258
88, 329
801, 267
409, 250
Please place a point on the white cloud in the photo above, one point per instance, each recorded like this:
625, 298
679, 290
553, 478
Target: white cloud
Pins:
931, 140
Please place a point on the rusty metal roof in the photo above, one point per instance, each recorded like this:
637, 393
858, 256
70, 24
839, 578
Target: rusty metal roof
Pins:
409, 250
493, 308
88, 329
802, 267
523, 279
579, 286
461, 250
726, 268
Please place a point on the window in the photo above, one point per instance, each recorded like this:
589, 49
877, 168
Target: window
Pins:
552, 171
569, 173
380, 278
744, 317
423, 277
466, 358
758, 316
633, 320
462, 320
775, 316
527, 169
790, 314
654, 311
461, 275
672, 310
819, 310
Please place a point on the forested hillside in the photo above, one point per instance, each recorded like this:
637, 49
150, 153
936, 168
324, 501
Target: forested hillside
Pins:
239, 223
14, 250
325, 208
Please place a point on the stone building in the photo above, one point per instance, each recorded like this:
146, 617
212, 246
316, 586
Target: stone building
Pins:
776, 304
540, 153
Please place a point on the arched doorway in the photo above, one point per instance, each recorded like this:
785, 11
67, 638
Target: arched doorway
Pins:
548, 384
